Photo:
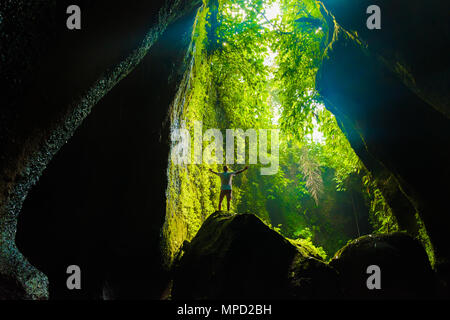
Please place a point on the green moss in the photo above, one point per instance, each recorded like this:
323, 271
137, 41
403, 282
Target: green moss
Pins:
425, 240
305, 246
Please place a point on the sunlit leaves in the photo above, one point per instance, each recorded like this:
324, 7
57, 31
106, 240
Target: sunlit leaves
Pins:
240, 75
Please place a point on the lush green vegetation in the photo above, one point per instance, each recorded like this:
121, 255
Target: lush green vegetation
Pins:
253, 64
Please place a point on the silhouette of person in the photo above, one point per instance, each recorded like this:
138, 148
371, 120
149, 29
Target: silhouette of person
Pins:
225, 190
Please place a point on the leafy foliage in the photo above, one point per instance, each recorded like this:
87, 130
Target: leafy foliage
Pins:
380, 213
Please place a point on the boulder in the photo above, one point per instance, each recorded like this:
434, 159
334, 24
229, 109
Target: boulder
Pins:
239, 257
405, 272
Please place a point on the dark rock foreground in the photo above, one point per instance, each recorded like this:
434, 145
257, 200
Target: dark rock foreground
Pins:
239, 257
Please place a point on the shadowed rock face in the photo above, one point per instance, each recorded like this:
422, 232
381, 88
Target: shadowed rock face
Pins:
54, 77
239, 257
381, 89
101, 200
405, 269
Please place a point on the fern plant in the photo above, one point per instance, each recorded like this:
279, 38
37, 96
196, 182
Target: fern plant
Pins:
310, 169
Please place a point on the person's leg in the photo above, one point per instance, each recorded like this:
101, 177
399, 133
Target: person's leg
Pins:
222, 194
228, 200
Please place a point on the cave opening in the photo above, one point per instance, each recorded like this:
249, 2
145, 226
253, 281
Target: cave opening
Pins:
253, 67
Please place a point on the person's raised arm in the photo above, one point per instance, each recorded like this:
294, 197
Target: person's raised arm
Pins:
240, 171
214, 172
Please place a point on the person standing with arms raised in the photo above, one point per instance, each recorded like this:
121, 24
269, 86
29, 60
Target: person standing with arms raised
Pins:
226, 178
